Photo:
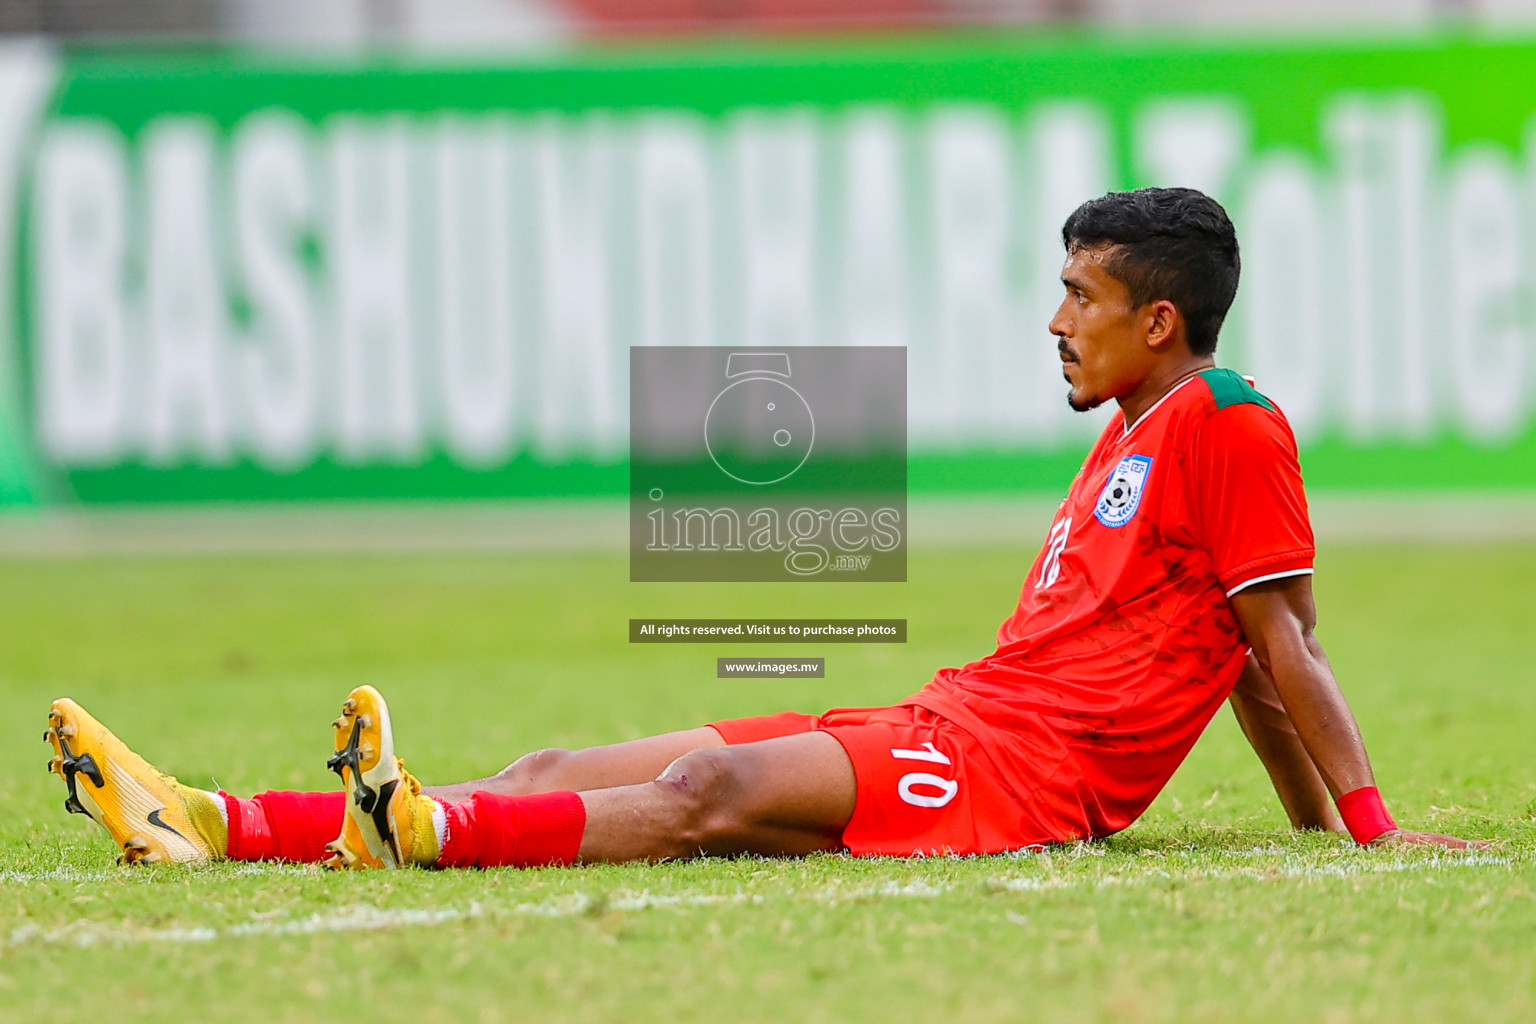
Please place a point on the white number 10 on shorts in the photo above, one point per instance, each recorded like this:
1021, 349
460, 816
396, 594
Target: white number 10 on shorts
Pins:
924, 789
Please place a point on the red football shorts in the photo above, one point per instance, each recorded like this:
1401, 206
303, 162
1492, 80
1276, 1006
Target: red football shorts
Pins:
925, 786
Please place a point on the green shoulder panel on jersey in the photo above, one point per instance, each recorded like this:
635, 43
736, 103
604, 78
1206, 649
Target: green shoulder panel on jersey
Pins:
1229, 388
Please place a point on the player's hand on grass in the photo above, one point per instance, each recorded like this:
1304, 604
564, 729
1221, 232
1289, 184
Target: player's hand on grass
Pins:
1403, 837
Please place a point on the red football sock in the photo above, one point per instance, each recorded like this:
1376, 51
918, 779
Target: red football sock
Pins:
489, 830
283, 825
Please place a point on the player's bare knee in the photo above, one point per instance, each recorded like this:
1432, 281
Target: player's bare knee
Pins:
535, 772
701, 785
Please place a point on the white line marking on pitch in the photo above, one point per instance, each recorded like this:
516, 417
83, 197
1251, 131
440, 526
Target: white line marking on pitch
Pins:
358, 918
136, 874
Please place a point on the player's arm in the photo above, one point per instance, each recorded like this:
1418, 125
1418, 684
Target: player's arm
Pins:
1278, 618
1264, 721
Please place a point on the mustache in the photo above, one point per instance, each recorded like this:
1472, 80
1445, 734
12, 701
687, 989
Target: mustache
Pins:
1064, 351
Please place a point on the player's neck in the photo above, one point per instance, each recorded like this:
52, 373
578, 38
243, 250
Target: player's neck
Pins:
1159, 383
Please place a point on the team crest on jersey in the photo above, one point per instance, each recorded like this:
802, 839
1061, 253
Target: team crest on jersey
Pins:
1121, 495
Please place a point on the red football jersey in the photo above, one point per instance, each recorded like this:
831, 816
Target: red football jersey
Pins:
1123, 644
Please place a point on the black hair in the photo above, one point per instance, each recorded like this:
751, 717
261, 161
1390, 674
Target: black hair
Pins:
1165, 243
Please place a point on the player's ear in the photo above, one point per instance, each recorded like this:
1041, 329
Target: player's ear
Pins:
1162, 318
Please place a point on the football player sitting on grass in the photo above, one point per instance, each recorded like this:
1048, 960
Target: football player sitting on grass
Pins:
1176, 575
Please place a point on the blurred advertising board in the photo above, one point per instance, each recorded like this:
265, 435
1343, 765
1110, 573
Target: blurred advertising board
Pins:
235, 275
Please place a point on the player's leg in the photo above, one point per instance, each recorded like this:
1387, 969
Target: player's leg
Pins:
392, 820
789, 795
781, 797
615, 764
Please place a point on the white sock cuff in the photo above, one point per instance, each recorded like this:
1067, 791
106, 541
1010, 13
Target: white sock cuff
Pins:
218, 801
440, 824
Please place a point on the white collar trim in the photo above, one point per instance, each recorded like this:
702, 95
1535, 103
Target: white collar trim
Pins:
1153, 408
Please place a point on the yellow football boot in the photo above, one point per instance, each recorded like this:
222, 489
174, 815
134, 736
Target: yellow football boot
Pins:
151, 816
388, 822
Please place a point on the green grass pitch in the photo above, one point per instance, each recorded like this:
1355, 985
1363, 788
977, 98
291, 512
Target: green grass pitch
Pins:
231, 668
